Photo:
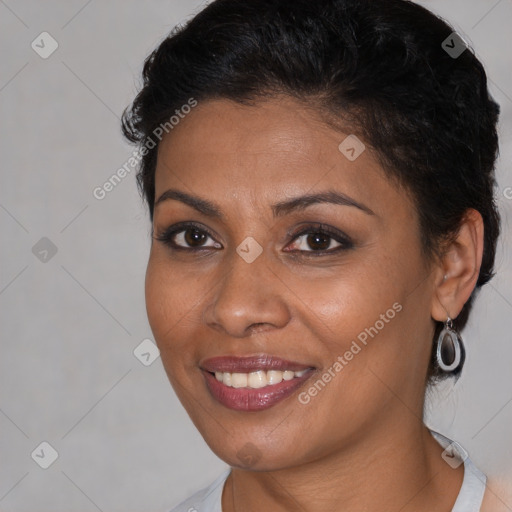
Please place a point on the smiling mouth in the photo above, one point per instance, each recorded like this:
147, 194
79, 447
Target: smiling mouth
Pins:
258, 379
253, 383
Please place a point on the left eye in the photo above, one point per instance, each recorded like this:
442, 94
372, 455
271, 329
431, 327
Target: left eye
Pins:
320, 240
316, 241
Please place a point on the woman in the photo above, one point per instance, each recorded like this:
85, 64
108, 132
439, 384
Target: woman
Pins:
319, 177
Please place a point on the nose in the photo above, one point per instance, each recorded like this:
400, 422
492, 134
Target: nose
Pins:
249, 296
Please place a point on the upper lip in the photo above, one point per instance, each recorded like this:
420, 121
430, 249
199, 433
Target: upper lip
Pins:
248, 364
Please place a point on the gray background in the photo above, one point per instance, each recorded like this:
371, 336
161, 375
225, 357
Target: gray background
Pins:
70, 324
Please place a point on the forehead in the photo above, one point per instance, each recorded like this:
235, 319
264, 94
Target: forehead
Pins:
276, 128
273, 148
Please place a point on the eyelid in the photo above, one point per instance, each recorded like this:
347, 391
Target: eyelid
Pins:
306, 228
319, 227
168, 233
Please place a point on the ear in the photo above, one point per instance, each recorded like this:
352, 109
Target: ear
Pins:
458, 269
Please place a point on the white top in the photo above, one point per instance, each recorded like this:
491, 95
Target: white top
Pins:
469, 498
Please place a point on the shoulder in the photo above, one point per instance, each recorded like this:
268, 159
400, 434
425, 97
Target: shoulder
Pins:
205, 500
498, 496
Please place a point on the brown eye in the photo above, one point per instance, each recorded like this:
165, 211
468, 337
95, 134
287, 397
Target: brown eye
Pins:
318, 240
315, 242
187, 237
194, 237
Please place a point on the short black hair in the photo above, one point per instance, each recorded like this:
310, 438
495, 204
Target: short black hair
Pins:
382, 66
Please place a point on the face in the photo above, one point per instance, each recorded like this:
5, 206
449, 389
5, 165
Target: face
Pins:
286, 288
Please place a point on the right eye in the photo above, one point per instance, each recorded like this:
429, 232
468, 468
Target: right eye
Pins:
187, 236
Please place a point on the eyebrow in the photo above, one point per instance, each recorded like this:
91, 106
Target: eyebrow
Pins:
278, 209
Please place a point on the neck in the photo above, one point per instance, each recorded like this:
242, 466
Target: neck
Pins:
386, 469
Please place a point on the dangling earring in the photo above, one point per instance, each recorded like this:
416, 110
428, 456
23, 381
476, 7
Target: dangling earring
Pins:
450, 349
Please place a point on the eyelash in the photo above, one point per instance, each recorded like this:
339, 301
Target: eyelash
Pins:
317, 228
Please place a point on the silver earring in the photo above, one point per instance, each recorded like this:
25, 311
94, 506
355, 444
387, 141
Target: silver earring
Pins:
450, 349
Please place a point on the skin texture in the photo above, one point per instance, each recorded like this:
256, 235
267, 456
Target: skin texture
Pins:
360, 444
498, 495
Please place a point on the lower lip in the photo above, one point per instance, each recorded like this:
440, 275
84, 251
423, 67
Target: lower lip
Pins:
248, 399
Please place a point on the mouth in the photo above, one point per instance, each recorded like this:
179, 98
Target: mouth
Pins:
253, 383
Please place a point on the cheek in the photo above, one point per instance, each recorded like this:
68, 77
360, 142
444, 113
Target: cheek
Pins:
357, 320
159, 297
170, 300
350, 301
365, 315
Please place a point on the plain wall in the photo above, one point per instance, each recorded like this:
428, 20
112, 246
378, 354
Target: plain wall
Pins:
69, 325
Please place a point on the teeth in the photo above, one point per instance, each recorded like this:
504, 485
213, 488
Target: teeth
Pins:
239, 380
274, 377
258, 379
